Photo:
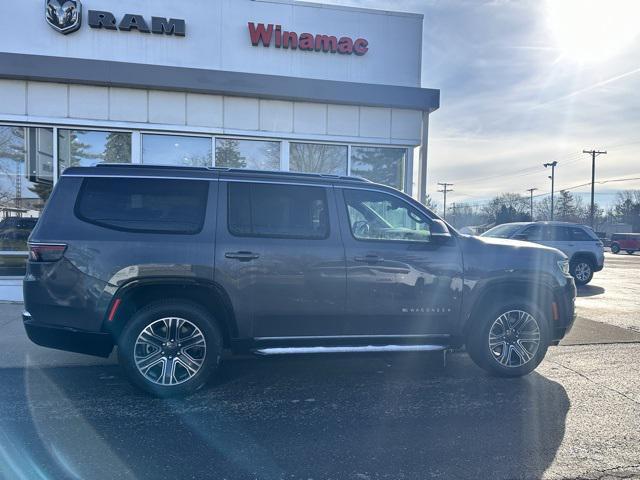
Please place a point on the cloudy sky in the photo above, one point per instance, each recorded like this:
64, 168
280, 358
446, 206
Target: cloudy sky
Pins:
525, 82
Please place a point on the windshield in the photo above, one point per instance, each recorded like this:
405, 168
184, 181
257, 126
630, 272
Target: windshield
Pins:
502, 231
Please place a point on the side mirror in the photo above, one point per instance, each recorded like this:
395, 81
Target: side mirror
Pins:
439, 231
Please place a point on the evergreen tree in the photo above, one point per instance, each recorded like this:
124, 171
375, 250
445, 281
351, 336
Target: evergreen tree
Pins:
117, 148
228, 154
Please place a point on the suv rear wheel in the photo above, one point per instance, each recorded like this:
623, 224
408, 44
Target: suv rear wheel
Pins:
170, 347
581, 270
509, 341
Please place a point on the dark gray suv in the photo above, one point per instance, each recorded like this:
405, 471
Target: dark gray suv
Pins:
173, 265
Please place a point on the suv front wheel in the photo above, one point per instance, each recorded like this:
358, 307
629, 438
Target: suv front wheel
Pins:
170, 347
509, 341
582, 271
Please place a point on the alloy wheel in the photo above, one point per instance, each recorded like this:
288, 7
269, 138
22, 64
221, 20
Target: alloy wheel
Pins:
582, 271
170, 351
514, 338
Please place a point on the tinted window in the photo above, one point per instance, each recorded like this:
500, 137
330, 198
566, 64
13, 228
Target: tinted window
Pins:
557, 234
289, 211
580, 235
141, 204
533, 233
379, 216
505, 230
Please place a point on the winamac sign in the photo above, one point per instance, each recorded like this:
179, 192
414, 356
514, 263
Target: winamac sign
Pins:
265, 35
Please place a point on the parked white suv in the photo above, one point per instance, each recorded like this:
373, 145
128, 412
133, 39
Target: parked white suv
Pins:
578, 242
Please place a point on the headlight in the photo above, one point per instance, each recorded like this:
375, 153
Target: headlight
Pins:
564, 266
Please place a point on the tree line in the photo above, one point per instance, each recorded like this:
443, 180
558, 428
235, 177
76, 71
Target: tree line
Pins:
514, 207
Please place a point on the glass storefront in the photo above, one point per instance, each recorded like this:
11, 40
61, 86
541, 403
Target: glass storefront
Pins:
318, 158
251, 154
26, 180
379, 164
28, 156
180, 150
86, 148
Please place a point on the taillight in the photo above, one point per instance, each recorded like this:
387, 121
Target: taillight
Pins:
46, 252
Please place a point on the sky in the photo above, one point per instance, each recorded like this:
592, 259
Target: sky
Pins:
527, 82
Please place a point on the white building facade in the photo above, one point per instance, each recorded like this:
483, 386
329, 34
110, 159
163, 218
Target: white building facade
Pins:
260, 84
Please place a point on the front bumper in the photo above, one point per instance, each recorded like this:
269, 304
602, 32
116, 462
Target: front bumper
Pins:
564, 299
66, 338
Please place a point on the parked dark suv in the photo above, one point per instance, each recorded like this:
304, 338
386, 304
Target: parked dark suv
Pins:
174, 264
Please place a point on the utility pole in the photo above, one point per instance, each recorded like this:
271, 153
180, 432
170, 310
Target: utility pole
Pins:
553, 179
531, 190
594, 154
445, 189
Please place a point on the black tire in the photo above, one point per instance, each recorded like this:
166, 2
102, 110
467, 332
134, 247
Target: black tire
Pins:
581, 270
615, 248
630, 252
158, 316
489, 359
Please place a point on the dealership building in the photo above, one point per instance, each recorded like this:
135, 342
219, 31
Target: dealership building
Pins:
259, 84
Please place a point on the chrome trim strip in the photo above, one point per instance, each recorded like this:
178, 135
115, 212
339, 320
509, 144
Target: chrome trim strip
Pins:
363, 337
350, 349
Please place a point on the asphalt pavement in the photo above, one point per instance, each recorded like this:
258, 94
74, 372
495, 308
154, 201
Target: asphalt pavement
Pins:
371, 416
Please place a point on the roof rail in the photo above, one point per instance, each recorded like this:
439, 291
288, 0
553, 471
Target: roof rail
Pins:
236, 170
168, 167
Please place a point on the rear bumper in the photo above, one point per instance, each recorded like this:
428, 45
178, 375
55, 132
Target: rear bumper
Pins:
565, 301
66, 338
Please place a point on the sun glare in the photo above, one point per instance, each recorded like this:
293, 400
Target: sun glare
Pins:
593, 30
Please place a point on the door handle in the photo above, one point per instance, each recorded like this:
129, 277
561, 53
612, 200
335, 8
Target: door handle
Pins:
369, 259
242, 256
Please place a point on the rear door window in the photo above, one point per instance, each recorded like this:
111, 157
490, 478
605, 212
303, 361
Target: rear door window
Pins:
580, 235
279, 211
144, 204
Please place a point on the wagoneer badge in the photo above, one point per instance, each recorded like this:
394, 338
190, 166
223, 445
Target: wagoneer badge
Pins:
64, 16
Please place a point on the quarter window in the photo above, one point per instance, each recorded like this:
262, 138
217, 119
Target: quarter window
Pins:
144, 205
380, 216
288, 211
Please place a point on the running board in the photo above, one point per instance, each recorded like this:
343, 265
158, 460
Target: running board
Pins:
350, 349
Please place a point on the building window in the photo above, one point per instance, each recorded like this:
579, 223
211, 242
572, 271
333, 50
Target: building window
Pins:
181, 150
379, 164
318, 158
251, 154
86, 148
26, 180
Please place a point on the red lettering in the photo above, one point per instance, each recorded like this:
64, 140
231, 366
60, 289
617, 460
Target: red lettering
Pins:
306, 42
360, 46
260, 34
290, 38
278, 36
326, 43
345, 45
263, 34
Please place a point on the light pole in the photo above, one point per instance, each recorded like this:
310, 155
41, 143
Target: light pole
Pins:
553, 178
531, 190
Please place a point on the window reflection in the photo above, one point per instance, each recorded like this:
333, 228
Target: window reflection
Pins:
251, 154
86, 148
178, 150
26, 180
318, 158
379, 164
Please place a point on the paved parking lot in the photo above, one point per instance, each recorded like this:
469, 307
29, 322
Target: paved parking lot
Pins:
371, 416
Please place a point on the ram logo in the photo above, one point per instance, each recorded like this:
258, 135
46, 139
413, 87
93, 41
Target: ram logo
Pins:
64, 16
